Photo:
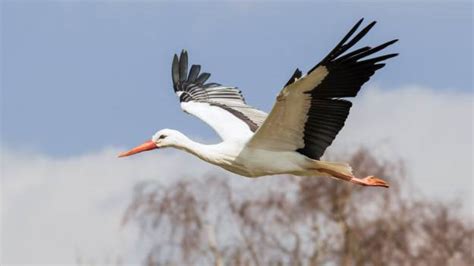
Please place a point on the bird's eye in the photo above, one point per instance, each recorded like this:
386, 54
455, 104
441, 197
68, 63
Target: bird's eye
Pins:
162, 137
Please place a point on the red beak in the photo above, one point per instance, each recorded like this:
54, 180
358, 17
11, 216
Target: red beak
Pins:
147, 146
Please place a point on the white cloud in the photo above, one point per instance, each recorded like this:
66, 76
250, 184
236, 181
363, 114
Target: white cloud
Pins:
430, 130
54, 209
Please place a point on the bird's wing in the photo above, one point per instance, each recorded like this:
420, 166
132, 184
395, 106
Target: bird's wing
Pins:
309, 111
221, 107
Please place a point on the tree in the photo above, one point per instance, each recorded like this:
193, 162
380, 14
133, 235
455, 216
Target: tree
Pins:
299, 221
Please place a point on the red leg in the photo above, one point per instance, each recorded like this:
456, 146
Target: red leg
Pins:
367, 181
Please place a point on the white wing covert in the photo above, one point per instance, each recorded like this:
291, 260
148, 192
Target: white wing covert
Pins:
221, 107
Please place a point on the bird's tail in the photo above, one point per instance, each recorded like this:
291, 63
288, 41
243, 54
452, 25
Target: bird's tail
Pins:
328, 167
343, 171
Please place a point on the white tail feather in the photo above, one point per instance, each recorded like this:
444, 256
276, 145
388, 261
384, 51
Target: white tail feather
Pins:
342, 168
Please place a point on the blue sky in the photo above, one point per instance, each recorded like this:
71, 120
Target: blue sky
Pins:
79, 76
80, 81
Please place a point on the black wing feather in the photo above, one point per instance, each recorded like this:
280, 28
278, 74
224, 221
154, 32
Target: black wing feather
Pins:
193, 73
183, 66
175, 72
193, 87
294, 77
203, 78
347, 72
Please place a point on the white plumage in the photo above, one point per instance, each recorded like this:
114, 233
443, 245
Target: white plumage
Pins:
308, 113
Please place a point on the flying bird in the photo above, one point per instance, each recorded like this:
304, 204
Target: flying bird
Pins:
308, 113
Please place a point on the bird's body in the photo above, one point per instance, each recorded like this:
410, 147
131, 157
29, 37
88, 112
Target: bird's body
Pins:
308, 114
237, 157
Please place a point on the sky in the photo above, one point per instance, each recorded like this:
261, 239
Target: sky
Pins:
81, 81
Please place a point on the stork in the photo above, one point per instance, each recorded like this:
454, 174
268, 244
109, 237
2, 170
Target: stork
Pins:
308, 113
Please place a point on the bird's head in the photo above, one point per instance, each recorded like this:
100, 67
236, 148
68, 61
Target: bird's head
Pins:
161, 139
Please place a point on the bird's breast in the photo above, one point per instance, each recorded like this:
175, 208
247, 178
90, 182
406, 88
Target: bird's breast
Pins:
257, 162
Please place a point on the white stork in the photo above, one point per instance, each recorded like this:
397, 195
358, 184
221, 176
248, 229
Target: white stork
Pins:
308, 114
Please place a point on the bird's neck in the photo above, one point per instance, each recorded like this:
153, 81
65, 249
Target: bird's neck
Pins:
203, 151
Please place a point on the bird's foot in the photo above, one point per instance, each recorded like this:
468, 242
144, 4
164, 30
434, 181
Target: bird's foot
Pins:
369, 181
